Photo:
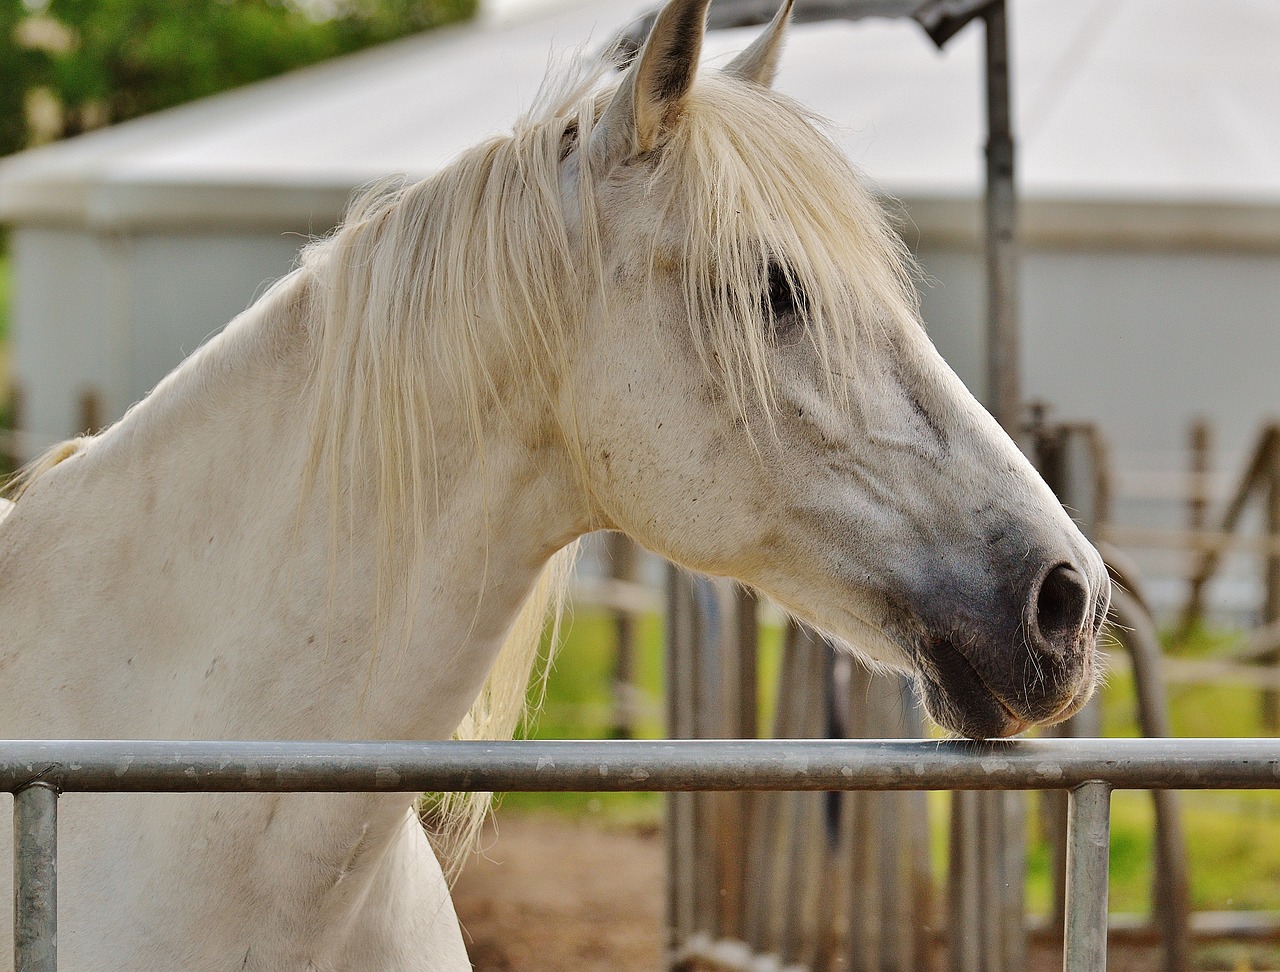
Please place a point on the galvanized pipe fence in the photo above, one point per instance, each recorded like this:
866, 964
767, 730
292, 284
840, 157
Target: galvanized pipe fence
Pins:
37, 772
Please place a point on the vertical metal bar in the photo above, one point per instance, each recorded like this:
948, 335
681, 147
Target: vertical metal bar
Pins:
728, 811
1004, 393
963, 896
35, 879
1012, 894
888, 824
806, 846
989, 841
856, 813
1088, 841
708, 679
748, 621
998, 940
773, 810
746, 726
924, 917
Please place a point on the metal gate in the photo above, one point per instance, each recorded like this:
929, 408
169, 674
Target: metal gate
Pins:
36, 772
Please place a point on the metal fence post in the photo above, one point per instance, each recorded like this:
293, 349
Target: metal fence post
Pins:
1088, 843
35, 879
1004, 391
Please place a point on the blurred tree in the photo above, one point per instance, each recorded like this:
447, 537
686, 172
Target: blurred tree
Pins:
103, 61
21, 69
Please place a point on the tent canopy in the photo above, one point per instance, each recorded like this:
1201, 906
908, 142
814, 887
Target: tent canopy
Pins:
1122, 106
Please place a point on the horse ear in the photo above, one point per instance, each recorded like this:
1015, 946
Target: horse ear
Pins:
654, 87
759, 62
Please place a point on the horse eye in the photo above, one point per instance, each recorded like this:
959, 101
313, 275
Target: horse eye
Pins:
568, 140
784, 301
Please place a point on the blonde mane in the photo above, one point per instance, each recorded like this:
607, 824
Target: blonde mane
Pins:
463, 279
470, 281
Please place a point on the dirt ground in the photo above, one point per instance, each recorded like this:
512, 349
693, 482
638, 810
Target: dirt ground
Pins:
551, 896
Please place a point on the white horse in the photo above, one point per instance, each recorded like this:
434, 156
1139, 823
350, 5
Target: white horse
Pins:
666, 308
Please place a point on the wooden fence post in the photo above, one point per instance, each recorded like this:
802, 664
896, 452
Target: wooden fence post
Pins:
622, 556
711, 672
1261, 467
1198, 498
91, 414
1271, 604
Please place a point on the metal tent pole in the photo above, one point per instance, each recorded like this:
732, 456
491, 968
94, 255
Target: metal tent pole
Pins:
988, 926
1003, 372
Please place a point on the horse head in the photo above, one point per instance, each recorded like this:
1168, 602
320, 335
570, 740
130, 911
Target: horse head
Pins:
756, 397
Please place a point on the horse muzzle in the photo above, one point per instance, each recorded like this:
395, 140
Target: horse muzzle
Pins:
985, 679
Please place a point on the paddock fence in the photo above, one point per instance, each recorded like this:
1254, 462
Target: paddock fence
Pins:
38, 772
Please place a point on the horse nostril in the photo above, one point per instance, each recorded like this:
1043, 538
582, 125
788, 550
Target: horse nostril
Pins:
1061, 604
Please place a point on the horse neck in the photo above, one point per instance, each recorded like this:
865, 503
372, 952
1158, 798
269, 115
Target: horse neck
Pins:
277, 632
173, 578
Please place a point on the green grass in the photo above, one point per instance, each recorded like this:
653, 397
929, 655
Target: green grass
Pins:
579, 705
1233, 838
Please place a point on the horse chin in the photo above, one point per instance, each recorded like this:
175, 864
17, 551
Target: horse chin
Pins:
1083, 694
959, 700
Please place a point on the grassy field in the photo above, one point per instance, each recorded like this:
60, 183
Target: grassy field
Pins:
1233, 837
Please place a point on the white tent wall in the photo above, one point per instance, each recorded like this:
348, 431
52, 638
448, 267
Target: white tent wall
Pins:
64, 280
1141, 341
108, 315
1158, 338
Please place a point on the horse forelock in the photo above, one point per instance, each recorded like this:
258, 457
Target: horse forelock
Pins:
760, 184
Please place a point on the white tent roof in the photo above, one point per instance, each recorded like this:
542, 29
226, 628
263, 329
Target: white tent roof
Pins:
1149, 118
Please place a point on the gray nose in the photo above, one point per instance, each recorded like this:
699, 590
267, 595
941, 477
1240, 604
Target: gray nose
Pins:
1060, 611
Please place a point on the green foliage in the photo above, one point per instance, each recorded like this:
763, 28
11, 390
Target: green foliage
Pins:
124, 58
20, 68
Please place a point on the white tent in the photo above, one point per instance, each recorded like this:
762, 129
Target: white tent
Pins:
1149, 167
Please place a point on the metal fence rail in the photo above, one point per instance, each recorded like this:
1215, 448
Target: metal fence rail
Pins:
37, 771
